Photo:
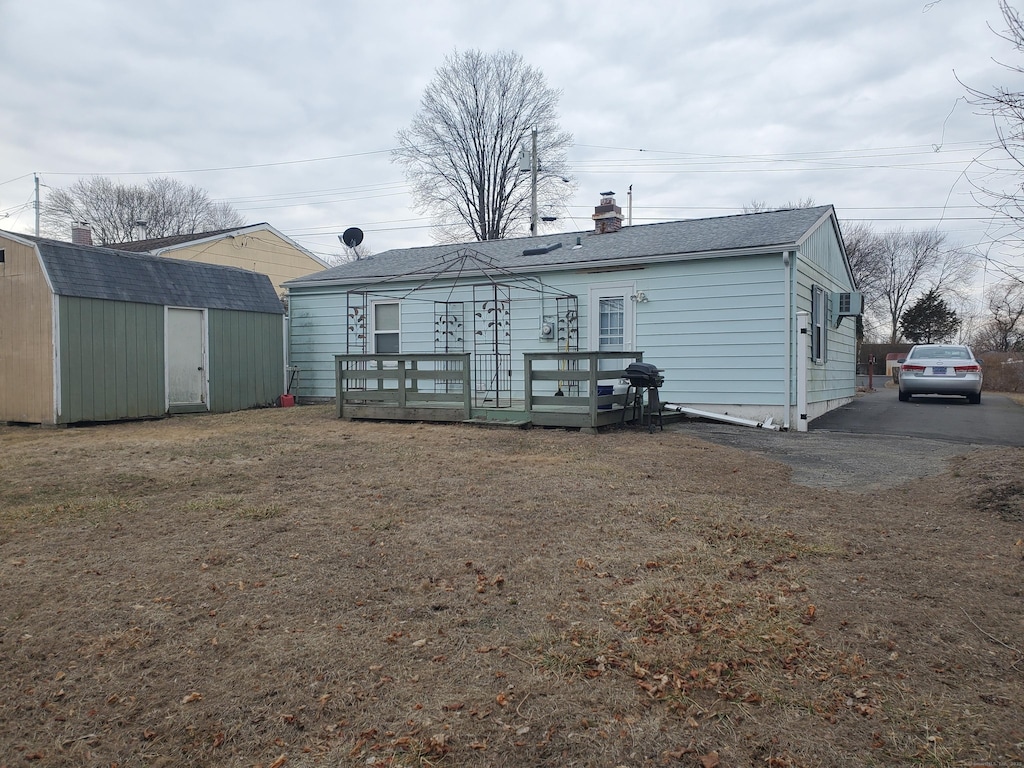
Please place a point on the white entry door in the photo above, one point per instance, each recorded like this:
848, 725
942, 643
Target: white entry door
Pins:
185, 343
611, 327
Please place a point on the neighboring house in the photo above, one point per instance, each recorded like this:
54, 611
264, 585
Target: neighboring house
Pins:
258, 247
92, 334
716, 303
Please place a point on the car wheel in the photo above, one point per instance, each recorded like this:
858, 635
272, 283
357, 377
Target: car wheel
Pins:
974, 399
904, 396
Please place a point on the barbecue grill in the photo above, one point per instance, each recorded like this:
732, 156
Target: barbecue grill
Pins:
644, 377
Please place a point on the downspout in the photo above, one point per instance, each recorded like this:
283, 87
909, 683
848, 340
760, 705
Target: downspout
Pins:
786, 259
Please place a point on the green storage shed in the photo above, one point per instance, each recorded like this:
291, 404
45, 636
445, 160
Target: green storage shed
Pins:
91, 334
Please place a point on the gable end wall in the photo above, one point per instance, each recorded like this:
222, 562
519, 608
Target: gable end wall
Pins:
820, 262
26, 337
260, 251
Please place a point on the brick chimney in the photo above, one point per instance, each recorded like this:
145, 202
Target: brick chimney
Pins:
607, 216
81, 234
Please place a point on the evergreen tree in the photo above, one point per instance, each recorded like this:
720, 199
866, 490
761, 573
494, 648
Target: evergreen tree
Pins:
930, 320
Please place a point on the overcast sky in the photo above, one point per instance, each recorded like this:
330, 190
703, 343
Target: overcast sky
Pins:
288, 110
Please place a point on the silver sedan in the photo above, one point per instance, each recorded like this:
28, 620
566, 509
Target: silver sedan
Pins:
941, 369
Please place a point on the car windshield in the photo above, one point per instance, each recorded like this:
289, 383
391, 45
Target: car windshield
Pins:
945, 353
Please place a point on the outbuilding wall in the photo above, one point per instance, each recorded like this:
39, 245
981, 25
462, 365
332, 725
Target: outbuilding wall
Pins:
246, 354
26, 337
111, 360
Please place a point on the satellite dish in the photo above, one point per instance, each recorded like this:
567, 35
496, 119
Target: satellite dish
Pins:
352, 237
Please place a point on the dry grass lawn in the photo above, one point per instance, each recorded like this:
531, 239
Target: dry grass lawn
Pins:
280, 588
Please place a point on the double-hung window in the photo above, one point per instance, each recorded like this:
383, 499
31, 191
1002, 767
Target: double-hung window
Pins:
819, 323
386, 328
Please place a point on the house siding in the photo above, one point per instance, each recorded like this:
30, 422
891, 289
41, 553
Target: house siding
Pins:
820, 262
26, 337
258, 251
317, 332
716, 326
718, 314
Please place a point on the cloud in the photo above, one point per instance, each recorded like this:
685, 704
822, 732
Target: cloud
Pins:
731, 101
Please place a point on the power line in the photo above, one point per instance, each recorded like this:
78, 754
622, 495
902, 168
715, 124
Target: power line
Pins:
221, 168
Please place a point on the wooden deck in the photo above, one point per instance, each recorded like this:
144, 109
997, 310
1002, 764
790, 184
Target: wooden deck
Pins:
438, 387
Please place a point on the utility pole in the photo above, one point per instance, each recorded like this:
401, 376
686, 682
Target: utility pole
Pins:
37, 203
533, 186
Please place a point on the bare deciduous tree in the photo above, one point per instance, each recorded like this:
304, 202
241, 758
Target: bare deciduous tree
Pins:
461, 153
1000, 189
114, 211
864, 250
351, 253
761, 206
911, 263
1004, 329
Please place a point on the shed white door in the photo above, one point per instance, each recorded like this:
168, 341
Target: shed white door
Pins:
186, 357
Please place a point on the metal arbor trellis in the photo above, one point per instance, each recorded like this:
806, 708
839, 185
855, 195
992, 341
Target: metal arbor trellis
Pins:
490, 317
449, 334
492, 344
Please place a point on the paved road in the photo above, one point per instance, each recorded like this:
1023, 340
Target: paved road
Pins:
997, 421
877, 442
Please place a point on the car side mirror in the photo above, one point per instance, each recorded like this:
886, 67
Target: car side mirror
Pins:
902, 360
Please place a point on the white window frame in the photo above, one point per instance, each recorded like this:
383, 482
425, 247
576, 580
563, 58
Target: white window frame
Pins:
611, 291
819, 324
375, 332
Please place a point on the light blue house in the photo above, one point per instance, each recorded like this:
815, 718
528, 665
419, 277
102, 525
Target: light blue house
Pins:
751, 315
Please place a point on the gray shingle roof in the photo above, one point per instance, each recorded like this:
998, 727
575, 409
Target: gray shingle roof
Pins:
103, 273
773, 230
156, 243
163, 244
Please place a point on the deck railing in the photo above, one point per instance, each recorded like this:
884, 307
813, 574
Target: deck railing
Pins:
578, 377
439, 387
426, 387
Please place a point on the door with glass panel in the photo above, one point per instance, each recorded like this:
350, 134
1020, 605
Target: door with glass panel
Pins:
611, 326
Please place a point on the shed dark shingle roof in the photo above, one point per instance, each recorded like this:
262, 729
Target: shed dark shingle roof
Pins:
103, 273
773, 230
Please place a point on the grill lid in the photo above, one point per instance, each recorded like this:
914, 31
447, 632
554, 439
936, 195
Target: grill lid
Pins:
644, 374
